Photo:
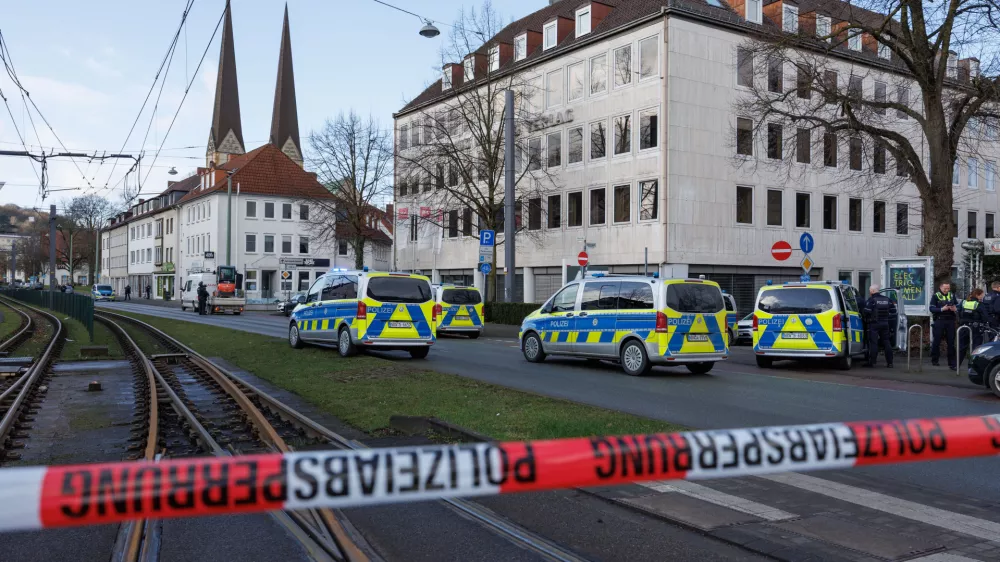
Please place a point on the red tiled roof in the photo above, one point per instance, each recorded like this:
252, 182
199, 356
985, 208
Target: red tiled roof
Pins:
266, 171
374, 234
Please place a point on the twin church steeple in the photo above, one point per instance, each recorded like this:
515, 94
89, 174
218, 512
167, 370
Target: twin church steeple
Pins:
225, 138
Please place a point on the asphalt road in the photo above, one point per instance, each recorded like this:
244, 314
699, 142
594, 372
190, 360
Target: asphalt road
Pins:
736, 394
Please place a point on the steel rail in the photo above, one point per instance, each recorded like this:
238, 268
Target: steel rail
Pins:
25, 327
343, 545
471, 510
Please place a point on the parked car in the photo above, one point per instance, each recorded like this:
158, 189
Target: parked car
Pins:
744, 330
287, 306
102, 293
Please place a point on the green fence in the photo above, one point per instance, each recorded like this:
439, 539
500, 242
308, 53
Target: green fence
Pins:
76, 306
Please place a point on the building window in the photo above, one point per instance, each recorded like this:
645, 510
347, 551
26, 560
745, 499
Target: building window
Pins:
990, 225
854, 41
599, 74
830, 150
549, 36
973, 178
576, 209
535, 153
649, 130
303, 244
774, 141
879, 97
576, 75
855, 153
268, 243
583, 21
286, 211
534, 213
790, 18
989, 174
598, 140
802, 210
404, 130
445, 85
413, 228
251, 244
553, 147
744, 136
952, 66
830, 212
623, 134
268, 210
649, 63
452, 175
251, 209
830, 86
597, 207
773, 207
649, 200
854, 215
623, 66
855, 88
972, 230
878, 164
775, 76
554, 88
286, 244
956, 172
903, 99
467, 221
744, 67
744, 204
494, 59
575, 141
803, 146
954, 219
469, 68
453, 223
823, 27
878, 217
754, 11
902, 218
520, 47
623, 203
803, 81
555, 211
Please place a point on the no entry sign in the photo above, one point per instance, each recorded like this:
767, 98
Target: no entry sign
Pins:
781, 250
583, 259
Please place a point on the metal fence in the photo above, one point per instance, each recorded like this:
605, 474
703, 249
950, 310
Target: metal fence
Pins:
76, 306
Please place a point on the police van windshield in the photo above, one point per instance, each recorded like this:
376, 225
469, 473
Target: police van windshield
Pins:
399, 289
795, 301
460, 296
104, 287
694, 298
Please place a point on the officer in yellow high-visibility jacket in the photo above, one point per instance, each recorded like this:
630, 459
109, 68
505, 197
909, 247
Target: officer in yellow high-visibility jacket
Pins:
973, 315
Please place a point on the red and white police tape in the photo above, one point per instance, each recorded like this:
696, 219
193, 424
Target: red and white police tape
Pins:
63, 496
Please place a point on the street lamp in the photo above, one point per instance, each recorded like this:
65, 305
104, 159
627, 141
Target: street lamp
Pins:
172, 171
429, 30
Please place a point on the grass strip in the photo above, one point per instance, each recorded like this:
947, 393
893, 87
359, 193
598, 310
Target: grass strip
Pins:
9, 323
365, 391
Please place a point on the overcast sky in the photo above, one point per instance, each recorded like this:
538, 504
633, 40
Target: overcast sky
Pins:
88, 66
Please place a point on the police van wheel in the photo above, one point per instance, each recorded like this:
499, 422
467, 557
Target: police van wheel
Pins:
700, 368
474, 336
293, 336
732, 339
634, 360
344, 344
844, 363
764, 362
183, 308
993, 379
532, 348
420, 352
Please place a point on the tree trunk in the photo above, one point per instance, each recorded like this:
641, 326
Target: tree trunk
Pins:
359, 253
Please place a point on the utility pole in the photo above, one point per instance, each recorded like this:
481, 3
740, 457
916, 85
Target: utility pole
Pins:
229, 214
510, 215
13, 262
52, 252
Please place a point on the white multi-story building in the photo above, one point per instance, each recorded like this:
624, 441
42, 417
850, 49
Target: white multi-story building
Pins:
639, 105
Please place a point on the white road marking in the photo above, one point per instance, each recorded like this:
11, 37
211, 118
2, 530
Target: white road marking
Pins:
944, 557
723, 499
957, 522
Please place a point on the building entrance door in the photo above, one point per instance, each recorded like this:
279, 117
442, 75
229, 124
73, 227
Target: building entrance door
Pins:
266, 287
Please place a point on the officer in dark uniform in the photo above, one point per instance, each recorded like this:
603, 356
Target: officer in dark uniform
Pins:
991, 304
202, 298
971, 314
944, 310
880, 311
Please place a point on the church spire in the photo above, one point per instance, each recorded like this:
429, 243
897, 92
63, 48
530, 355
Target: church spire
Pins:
285, 119
226, 136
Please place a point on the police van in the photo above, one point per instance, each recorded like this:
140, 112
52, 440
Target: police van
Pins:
732, 316
367, 310
815, 319
638, 321
461, 310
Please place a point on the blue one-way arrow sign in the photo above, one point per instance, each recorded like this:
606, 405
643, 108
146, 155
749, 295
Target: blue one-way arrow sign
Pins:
806, 243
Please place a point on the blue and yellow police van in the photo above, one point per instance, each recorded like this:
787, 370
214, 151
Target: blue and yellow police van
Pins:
637, 321
813, 319
461, 310
367, 310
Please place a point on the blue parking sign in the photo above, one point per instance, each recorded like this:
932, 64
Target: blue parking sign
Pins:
487, 238
486, 268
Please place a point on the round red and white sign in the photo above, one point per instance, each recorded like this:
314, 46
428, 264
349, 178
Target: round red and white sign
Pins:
781, 250
583, 259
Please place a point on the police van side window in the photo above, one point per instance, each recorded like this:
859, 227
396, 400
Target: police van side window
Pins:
565, 300
635, 296
600, 296
729, 304
851, 299
341, 287
316, 289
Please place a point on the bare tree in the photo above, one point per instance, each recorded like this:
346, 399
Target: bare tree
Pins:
89, 213
450, 154
352, 157
925, 107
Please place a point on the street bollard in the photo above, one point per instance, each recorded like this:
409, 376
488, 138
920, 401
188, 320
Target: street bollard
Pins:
958, 348
920, 348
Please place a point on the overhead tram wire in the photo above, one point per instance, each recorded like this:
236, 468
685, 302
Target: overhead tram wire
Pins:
18, 131
170, 50
186, 91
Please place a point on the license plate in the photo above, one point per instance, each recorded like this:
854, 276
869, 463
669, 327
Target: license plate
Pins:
463, 316
399, 324
794, 335
697, 337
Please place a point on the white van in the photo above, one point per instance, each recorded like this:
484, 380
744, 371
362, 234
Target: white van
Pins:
219, 301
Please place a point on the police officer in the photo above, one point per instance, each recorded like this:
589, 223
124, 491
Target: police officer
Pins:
879, 310
944, 310
973, 315
202, 298
991, 304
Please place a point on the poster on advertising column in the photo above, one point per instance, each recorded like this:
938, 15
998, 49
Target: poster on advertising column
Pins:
913, 279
